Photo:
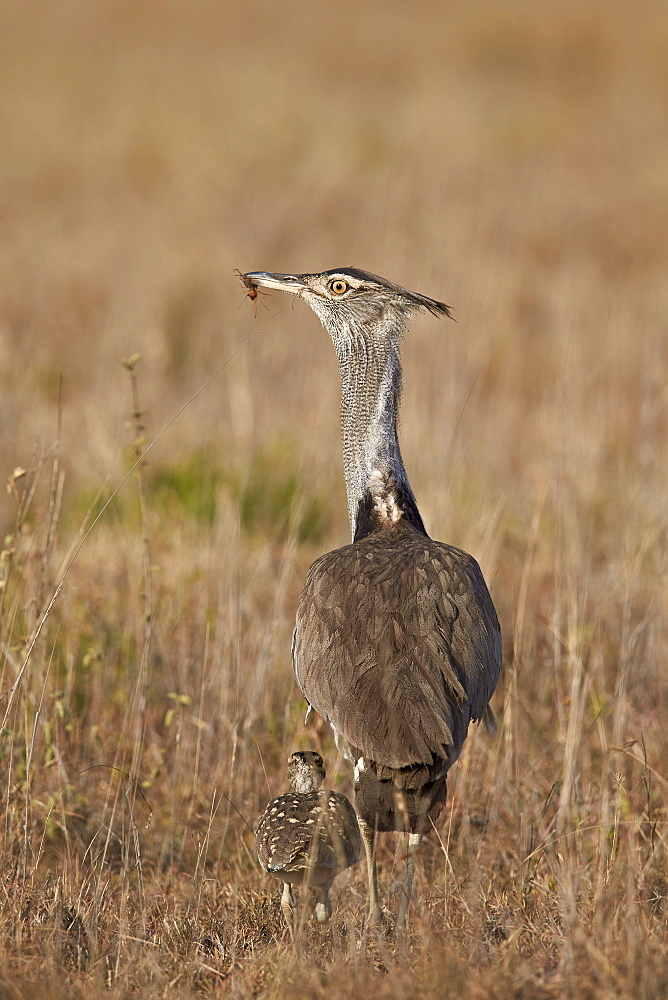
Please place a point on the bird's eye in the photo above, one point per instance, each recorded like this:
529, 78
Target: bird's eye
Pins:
338, 286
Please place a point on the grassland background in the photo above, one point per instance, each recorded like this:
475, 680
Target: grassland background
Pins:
509, 158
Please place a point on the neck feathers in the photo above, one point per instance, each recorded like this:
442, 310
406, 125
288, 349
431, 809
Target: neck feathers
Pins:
304, 782
379, 494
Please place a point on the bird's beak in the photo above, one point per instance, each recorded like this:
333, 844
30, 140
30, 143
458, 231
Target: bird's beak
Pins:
282, 282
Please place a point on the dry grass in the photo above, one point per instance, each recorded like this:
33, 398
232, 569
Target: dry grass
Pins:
509, 158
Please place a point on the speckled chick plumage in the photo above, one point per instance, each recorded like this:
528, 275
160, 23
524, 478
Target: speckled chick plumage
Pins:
309, 835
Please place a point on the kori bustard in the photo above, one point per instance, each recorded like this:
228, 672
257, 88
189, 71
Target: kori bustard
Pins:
396, 641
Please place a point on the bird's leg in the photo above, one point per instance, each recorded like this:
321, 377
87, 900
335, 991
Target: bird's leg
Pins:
323, 908
375, 915
288, 905
414, 840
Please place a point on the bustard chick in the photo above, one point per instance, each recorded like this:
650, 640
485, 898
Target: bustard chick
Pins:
396, 642
307, 836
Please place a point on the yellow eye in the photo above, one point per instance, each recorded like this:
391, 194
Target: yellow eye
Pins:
338, 286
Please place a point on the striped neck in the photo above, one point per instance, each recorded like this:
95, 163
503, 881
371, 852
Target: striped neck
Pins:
379, 494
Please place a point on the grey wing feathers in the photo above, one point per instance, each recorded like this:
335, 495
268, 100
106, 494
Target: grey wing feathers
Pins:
398, 646
476, 635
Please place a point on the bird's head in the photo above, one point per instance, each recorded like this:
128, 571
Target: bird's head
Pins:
348, 300
306, 771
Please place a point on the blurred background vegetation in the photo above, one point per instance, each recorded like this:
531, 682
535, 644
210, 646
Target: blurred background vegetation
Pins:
508, 158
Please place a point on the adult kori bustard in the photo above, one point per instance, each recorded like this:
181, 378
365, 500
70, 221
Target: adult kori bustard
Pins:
396, 642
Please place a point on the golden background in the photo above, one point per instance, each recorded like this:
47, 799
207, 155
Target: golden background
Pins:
508, 158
